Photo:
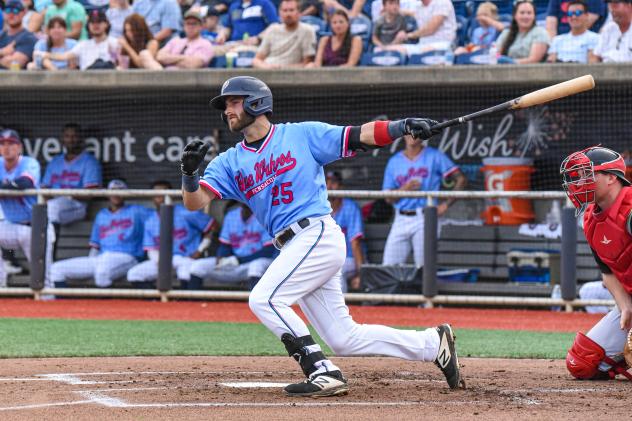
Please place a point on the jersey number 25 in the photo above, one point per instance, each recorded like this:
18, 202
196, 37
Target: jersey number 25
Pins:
286, 194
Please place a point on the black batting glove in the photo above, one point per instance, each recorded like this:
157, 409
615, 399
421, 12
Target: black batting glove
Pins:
421, 128
192, 156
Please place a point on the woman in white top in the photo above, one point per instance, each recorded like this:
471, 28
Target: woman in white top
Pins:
524, 42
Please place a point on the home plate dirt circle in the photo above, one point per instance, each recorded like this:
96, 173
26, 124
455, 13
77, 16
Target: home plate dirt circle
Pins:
252, 388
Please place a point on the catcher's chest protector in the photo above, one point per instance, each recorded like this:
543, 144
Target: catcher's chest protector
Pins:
607, 234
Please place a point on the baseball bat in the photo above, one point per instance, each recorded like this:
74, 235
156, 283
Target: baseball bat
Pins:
541, 96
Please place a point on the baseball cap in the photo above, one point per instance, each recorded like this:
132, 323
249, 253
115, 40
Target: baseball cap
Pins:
10, 135
334, 176
193, 14
97, 15
117, 184
14, 4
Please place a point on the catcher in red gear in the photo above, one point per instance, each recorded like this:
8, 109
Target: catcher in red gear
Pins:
594, 180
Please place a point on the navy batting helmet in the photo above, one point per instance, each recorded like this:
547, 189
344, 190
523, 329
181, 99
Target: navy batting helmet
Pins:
257, 95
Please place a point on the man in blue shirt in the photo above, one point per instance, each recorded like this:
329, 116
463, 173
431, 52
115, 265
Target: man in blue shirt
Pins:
247, 19
163, 17
16, 43
557, 20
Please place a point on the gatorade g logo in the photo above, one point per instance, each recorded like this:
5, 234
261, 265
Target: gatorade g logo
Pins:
496, 181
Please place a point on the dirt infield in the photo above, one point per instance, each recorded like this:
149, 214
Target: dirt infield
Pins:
239, 312
225, 388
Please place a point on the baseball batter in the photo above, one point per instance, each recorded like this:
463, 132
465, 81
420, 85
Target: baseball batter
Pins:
74, 169
188, 229
349, 218
18, 172
417, 167
277, 170
116, 244
244, 254
594, 180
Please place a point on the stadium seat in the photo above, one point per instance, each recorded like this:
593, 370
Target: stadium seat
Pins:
427, 59
319, 25
244, 59
362, 26
218, 62
540, 20
462, 25
477, 57
383, 58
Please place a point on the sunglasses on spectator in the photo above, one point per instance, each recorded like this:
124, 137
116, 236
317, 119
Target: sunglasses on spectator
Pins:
575, 13
12, 10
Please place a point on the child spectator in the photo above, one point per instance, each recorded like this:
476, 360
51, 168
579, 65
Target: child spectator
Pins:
390, 28
574, 46
138, 46
341, 48
524, 42
118, 11
486, 33
56, 42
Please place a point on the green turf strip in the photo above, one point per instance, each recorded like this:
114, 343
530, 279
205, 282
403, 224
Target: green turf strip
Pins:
82, 338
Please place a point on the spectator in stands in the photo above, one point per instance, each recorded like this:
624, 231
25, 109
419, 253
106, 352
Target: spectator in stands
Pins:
244, 254
212, 27
347, 215
353, 8
73, 13
18, 172
138, 46
32, 19
523, 42
558, 21
189, 52
215, 7
390, 28
163, 17
246, 20
417, 167
76, 168
311, 8
615, 39
486, 33
288, 44
56, 41
97, 53
341, 48
188, 229
115, 244
16, 43
406, 8
118, 11
576, 45
436, 23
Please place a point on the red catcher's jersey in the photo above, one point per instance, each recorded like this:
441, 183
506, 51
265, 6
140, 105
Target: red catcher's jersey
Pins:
608, 235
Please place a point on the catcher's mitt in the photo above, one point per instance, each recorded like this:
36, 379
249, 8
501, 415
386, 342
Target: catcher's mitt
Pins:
627, 349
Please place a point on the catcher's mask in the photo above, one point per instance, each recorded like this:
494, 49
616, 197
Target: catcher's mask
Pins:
578, 173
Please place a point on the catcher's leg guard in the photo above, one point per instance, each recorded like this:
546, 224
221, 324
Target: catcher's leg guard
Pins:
584, 357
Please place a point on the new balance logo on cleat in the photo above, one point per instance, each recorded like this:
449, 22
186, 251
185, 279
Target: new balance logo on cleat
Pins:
447, 359
330, 383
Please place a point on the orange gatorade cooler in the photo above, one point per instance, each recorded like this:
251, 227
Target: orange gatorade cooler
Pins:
507, 174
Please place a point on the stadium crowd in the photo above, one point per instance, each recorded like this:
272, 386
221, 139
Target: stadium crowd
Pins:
190, 34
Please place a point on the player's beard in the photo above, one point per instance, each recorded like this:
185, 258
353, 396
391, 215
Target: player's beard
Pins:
242, 122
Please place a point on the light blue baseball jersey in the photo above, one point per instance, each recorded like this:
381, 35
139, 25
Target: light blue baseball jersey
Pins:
120, 231
429, 167
283, 181
349, 218
82, 172
18, 209
245, 238
188, 228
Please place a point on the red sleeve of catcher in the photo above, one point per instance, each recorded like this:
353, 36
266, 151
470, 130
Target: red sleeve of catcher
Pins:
583, 359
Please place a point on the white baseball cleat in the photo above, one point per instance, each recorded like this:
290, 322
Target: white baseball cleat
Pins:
330, 383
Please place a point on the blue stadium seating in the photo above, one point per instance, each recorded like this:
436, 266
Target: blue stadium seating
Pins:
319, 25
477, 57
462, 25
427, 59
362, 26
383, 58
243, 60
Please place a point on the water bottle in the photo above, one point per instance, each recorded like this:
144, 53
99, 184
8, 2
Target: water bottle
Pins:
449, 57
493, 54
556, 294
555, 214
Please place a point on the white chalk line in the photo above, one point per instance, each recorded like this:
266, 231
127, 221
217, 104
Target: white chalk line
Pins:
43, 405
246, 385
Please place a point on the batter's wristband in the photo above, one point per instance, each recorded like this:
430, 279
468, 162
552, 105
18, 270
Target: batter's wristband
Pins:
397, 129
191, 183
381, 134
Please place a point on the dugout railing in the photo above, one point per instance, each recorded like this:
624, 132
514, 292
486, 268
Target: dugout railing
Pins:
429, 296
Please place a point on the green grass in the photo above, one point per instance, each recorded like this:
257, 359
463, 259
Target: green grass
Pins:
83, 338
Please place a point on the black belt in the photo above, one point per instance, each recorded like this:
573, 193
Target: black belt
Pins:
289, 233
28, 224
407, 212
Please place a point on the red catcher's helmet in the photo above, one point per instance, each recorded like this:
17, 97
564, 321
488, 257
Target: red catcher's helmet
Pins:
578, 173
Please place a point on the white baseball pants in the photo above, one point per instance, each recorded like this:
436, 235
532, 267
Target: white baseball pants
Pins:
147, 271
206, 270
104, 268
307, 272
64, 210
607, 333
14, 236
406, 232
